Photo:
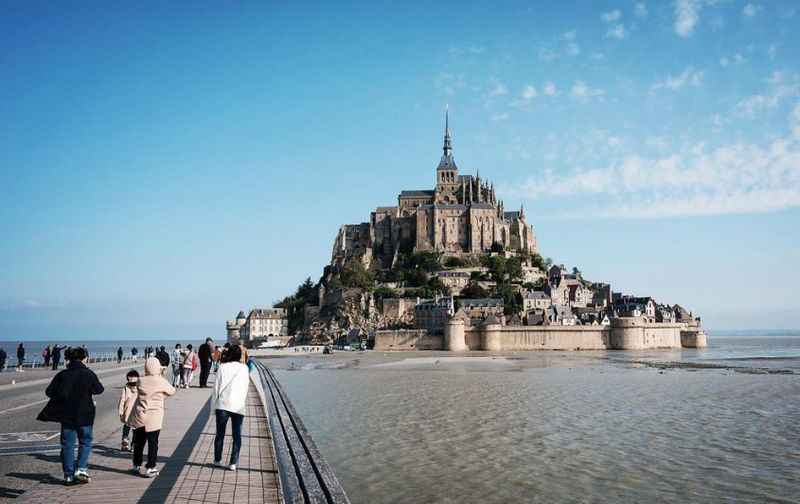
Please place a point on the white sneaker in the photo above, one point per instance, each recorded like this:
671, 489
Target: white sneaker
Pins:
232, 467
151, 473
218, 463
82, 476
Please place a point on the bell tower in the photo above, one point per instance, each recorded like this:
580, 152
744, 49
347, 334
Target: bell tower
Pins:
447, 182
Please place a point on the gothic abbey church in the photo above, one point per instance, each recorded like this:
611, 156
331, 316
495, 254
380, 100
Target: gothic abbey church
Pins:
461, 216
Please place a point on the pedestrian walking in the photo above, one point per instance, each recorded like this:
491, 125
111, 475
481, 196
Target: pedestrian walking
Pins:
46, 355
147, 416
177, 366
163, 358
126, 401
204, 356
3, 357
135, 353
71, 405
20, 357
229, 401
119, 355
56, 356
188, 360
216, 355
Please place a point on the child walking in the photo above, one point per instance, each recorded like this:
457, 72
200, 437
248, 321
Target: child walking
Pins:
126, 401
147, 416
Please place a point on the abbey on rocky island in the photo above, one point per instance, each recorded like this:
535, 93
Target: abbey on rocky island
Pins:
460, 216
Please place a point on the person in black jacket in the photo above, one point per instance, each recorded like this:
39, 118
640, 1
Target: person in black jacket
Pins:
204, 354
20, 357
71, 405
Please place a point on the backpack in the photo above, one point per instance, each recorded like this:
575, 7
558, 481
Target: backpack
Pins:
195, 362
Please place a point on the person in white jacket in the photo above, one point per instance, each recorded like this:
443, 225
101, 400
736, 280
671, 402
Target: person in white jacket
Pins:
229, 401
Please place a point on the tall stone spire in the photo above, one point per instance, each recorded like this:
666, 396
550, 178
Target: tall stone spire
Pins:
448, 141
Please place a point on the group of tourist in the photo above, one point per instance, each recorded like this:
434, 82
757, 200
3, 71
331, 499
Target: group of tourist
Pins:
51, 355
141, 404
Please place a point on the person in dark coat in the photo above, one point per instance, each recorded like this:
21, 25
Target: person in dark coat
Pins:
163, 357
204, 354
119, 355
20, 356
56, 356
3, 357
71, 405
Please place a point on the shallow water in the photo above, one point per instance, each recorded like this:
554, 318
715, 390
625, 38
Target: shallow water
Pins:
553, 426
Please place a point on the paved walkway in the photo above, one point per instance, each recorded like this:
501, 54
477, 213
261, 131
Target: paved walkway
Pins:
185, 458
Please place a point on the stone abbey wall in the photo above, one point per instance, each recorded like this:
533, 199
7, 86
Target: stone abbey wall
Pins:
623, 334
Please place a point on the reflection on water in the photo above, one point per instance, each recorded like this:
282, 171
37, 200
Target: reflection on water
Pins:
551, 426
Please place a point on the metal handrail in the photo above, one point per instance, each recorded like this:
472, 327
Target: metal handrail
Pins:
305, 476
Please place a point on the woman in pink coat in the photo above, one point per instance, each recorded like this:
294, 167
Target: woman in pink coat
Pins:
147, 416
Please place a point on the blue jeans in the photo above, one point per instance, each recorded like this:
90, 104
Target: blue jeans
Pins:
70, 436
219, 439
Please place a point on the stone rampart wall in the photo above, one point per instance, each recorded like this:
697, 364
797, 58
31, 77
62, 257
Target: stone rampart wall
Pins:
407, 339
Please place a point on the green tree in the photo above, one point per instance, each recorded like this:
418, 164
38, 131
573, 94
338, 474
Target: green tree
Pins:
454, 262
474, 291
354, 275
514, 269
512, 300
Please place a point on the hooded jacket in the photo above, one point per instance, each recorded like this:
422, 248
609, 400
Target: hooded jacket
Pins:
230, 388
70, 394
148, 410
127, 400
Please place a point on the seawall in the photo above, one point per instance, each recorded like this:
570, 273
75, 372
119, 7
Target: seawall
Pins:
623, 334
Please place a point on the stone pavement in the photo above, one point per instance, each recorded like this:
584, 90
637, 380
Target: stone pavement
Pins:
185, 458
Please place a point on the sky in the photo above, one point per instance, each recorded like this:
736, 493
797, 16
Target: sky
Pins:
164, 166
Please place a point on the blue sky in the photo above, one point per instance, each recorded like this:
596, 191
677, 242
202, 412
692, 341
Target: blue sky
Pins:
162, 166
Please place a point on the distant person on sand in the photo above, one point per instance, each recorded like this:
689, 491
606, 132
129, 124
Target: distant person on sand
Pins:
147, 416
188, 359
20, 356
71, 405
134, 353
119, 355
3, 357
177, 365
204, 354
125, 406
229, 401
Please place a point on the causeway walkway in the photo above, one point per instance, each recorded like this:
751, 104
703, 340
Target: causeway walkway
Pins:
185, 458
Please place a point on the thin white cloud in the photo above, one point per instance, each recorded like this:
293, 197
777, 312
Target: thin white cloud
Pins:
583, 92
640, 9
499, 117
550, 89
566, 45
724, 61
687, 15
737, 178
528, 93
689, 77
779, 87
610, 17
449, 83
617, 32
499, 89
750, 10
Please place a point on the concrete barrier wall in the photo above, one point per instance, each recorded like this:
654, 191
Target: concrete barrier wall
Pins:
405, 339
